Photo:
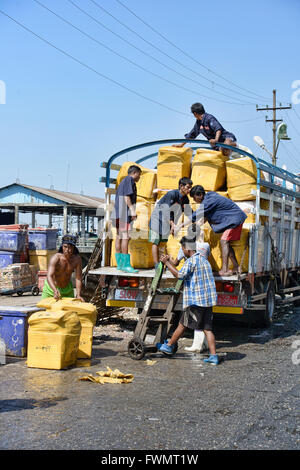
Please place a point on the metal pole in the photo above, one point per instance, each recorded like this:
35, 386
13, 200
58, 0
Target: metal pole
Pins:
65, 219
274, 128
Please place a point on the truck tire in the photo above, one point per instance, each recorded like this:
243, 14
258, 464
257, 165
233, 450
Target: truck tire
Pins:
270, 302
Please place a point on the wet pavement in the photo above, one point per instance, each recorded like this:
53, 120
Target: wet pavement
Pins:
250, 401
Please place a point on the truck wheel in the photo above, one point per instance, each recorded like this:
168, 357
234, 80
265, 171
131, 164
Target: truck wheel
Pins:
270, 305
136, 349
20, 292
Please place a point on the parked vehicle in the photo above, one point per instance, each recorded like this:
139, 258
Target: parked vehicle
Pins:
272, 275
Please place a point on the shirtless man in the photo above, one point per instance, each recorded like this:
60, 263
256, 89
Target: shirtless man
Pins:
61, 267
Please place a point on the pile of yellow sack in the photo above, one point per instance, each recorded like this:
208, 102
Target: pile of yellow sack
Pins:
234, 179
139, 247
60, 334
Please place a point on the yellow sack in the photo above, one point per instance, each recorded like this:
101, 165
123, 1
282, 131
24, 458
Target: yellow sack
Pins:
242, 179
144, 210
209, 170
53, 339
173, 163
146, 183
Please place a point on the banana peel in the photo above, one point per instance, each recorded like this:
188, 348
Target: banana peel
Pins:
109, 376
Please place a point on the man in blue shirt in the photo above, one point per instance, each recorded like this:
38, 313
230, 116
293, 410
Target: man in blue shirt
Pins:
125, 214
224, 216
199, 296
210, 127
166, 214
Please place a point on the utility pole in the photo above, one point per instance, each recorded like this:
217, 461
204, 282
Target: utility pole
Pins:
274, 120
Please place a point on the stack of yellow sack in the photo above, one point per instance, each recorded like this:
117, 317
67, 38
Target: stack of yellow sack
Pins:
209, 169
87, 314
241, 248
139, 247
62, 334
173, 163
146, 184
53, 339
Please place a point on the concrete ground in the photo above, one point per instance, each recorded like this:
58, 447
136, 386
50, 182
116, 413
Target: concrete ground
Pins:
250, 401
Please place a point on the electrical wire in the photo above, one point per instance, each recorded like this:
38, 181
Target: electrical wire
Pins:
242, 103
124, 57
292, 123
189, 56
91, 68
167, 55
296, 113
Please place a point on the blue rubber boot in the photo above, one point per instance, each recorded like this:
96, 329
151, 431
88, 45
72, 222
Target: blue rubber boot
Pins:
166, 349
126, 267
212, 359
119, 260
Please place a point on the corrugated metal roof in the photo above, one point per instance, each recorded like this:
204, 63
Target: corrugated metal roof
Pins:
69, 198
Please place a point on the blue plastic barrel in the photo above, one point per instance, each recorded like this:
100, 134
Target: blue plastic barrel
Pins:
14, 329
8, 257
11, 240
42, 239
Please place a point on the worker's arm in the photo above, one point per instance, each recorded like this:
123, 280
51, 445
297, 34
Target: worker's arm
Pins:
51, 276
78, 274
131, 207
179, 145
216, 139
194, 219
166, 261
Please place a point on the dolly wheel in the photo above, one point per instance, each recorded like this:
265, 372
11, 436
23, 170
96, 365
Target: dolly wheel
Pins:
136, 349
35, 290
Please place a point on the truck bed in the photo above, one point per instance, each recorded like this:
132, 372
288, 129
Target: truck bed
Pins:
113, 271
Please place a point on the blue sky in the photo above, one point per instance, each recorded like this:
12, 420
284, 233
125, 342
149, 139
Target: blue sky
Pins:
59, 114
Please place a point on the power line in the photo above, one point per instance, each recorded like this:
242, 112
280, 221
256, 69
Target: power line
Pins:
167, 55
91, 68
186, 54
122, 56
242, 103
296, 113
292, 124
292, 157
245, 120
274, 108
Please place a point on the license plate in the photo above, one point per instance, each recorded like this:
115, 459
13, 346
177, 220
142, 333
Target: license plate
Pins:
128, 294
229, 300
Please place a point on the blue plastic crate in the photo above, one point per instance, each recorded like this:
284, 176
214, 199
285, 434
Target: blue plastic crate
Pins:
13, 241
7, 258
43, 239
14, 329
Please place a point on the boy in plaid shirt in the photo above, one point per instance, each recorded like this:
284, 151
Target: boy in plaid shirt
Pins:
199, 295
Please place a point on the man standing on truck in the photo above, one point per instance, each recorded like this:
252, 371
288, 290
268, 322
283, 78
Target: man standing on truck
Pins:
125, 203
224, 216
210, 127
199, 296
58, 283
166, 214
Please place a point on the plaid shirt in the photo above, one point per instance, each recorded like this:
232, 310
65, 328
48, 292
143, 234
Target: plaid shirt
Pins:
199, 284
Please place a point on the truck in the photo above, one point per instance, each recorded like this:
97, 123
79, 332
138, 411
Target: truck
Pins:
272, 276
